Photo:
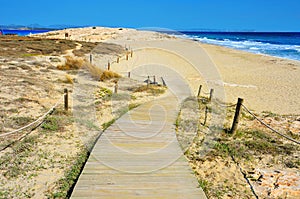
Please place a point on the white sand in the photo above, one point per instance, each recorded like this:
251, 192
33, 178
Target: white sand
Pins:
266, 83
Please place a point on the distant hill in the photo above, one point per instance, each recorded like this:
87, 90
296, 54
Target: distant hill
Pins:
32, 27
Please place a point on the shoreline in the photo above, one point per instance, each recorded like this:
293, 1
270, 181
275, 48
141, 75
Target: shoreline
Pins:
33, 76
275, 78
260, 54
265, 82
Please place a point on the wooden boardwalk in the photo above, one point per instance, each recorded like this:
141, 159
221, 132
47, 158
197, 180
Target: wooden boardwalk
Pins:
139, 157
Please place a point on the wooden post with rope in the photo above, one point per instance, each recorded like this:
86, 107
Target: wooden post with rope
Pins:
211, 94
108, 66
199, 91
116, 87
66, 99
205, 117
236, 115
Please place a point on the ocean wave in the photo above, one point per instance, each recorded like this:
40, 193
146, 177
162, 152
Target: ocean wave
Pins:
278, 50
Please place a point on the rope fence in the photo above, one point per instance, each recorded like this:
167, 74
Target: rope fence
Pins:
235, 122
269, 127
226, 106
130, 74
40, 119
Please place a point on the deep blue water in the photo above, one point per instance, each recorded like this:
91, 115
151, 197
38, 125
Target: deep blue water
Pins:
22, 32
278, 44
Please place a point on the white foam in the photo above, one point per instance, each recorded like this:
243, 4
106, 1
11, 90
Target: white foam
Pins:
256, 47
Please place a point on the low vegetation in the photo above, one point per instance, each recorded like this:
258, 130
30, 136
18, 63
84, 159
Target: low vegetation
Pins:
68, 79
67, 183
72, 63
108, 75
17, 46
251, 146
17, 161
152, 89
76, 63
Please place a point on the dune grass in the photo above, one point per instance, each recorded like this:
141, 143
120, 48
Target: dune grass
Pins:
153, 89
107, 75
72, 63
76, 63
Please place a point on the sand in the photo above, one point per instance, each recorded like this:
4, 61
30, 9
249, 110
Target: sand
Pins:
265, 83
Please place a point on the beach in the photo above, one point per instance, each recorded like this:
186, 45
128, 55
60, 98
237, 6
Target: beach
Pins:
268, 85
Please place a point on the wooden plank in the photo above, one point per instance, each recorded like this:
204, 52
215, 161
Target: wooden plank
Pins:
139, 157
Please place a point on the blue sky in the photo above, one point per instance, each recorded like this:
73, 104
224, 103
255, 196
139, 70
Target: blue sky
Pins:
234, 15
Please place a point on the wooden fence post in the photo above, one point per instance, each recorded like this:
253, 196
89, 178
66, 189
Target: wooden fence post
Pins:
154, 79
199, 91
205, 117
163, 81
211, 93
91, 58
236, 115
116, 87
108, 66
129, 74
66, 99
118, 59
148, 82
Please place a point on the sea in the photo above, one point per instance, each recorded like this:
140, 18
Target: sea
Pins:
21, 32
278, 44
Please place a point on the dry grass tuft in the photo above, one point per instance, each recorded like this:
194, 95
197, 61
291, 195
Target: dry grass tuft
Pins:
72, 63
101, 75
69, 79
153, 89
108, 75
94, 70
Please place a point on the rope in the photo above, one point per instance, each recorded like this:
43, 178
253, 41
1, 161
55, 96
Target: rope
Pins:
226, 106
32, 123
245, 176
205, 93
269, 127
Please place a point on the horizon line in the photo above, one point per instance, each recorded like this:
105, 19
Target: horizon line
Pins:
62, 26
